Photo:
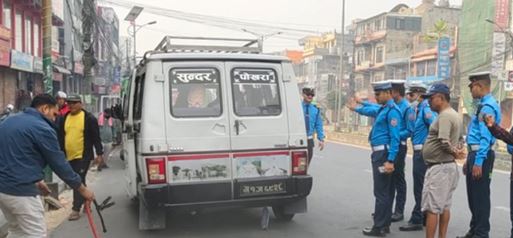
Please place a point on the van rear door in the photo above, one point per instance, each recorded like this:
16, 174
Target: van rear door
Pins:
197, 125
258, 117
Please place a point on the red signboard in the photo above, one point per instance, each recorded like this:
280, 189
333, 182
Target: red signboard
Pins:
501, 14
5, 46
5, 57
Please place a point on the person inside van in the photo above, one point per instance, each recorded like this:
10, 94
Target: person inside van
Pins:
196, 97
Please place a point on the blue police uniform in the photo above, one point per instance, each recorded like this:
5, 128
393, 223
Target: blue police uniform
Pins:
385, 140
423, 121
480, 142
313, 123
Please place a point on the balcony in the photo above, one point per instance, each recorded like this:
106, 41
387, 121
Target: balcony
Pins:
369, 37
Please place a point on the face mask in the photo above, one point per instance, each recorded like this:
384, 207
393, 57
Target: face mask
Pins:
415, 103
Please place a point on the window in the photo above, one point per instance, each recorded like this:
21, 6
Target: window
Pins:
377, 25
28, 34
255, 92
360, 58
431, 68
399, 24
6, 14
18, 37
421, 69
195, 92
379, 54
36, 39
138, 96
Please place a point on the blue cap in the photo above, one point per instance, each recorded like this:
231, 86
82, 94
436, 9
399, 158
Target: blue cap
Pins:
382, 86
438, 88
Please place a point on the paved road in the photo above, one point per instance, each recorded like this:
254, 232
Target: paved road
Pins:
339, 206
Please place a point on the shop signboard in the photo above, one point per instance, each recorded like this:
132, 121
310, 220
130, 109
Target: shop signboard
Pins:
22, 61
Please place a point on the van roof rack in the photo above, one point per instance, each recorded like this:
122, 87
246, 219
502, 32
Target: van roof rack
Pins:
248, 45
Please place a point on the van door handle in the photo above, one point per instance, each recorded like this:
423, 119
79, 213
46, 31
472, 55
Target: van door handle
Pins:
237, 126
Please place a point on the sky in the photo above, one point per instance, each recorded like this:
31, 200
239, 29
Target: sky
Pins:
312, 15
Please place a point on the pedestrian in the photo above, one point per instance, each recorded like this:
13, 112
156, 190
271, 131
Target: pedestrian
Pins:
78, 134
423, 119
443, 146
407, 125
61, 101
479, 165
502, 134
313, 121
8, 111
105, 123
27, 145
385, 140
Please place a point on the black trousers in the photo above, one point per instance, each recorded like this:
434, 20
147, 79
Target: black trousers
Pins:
398, 180
419, 171
383, 191
478, 194
311, 145
80, 166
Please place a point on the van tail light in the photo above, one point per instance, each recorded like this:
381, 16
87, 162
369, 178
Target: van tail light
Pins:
156, 170
299, 162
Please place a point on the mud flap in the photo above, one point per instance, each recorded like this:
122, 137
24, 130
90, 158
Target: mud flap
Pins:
299, 206
151, 218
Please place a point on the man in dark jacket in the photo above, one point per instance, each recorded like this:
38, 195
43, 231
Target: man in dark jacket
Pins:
78, 134
27, 145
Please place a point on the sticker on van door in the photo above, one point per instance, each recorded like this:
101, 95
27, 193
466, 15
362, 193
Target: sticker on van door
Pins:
265, 164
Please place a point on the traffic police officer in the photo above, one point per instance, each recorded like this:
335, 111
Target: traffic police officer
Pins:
480, 160
385, 140
424, 118
313, 121
407, 125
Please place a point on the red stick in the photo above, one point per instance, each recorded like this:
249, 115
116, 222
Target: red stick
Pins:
90, 219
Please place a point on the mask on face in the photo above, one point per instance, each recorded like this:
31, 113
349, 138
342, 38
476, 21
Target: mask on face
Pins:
414, 103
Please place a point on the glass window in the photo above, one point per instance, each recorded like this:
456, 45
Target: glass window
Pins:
36, 39
255, 92
138, 96
28, 34
379, 54
195, 92
18, 21
6, 15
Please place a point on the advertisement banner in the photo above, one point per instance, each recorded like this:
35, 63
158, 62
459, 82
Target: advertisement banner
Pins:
499, 47
444, 58
501, 15
22, 61
5, 57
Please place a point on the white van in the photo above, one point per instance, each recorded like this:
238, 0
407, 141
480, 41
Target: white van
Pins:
214, 129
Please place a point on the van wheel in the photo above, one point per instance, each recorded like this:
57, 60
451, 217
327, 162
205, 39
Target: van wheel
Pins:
279, 213
153, 218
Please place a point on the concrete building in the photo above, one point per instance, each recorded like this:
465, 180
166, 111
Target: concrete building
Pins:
21, 64
424, 60
73, 50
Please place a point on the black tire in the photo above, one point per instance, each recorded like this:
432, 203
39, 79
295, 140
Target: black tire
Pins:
279, 213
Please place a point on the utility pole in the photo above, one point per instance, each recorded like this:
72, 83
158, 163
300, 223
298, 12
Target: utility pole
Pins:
47, 63
88, 15
341, 78
127, 46
47, 47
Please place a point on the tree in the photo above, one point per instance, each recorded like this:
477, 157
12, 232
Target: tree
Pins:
440, 28
331, 99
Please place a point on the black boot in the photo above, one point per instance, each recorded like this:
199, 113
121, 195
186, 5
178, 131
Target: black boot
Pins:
469, 234
397, 217
373, 231
411, 227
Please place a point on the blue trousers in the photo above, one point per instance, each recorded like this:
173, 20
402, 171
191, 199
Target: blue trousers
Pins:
398, 180
419, 171
478, 194
383, 192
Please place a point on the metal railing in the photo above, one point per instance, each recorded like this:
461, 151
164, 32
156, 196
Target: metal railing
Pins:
250, 46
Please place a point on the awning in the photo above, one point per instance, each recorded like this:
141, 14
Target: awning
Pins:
60, 69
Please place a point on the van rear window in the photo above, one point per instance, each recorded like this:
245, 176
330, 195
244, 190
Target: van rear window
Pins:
255, 92
195, 92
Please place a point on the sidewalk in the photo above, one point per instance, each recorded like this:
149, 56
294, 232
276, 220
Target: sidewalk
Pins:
502, 160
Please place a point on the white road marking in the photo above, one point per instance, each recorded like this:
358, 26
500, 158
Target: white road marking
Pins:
506, 209
409, 156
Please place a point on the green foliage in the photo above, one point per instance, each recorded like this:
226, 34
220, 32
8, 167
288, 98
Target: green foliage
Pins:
332, 100
440, 28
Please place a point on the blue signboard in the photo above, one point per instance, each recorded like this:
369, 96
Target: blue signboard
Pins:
444, 58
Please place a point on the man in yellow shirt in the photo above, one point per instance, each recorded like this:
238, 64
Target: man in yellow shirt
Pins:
79, 137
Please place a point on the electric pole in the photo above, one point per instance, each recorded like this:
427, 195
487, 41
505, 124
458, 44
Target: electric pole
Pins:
341, 78
47, 47
88, 15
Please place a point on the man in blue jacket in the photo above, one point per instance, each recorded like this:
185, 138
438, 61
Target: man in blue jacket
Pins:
28, 144
385, 140
313, 121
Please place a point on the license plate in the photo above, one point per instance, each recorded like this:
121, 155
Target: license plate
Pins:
259, 189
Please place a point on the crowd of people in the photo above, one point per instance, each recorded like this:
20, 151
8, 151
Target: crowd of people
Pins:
56, 132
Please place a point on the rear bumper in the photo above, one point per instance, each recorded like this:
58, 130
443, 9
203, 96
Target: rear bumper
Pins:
224, 194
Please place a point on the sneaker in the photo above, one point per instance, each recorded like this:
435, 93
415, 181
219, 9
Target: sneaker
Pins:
74, 216
94, 168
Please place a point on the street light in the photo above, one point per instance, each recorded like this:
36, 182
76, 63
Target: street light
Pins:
132, 15
261, 37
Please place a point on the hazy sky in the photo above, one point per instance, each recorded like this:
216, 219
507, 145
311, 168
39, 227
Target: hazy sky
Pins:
316, 15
